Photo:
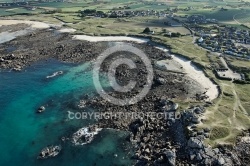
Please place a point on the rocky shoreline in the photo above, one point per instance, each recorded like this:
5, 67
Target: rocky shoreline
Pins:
175, 141
158, 141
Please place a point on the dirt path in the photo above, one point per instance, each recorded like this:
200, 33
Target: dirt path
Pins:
237, 103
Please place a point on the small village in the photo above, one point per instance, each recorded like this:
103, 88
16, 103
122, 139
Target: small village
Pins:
224, 39
211, 35
124, 13
200, 19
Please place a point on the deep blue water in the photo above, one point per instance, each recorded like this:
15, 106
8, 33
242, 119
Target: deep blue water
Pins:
24, 132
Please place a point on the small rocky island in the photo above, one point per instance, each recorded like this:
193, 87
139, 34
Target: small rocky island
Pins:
50, 151
41, 109
85, 135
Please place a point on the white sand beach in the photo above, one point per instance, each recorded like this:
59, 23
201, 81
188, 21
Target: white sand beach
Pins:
66, 30
109, 38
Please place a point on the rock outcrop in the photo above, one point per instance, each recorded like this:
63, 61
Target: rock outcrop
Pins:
50, 151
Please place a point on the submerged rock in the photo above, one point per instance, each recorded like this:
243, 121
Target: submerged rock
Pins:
17, 68
82, 104
55, 74
41, 109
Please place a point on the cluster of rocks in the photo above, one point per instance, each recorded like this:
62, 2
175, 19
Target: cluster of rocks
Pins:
43, 45
85, 135
152, 146
195, 149
159, 142
47, 43
7, 60
242, 147
82, 104
81, 137
151, 136
198, 152
49, 151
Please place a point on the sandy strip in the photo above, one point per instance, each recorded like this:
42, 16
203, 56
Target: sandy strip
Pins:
67, 30
33, 24
109, 38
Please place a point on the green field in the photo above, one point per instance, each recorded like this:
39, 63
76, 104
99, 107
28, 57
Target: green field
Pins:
60, 4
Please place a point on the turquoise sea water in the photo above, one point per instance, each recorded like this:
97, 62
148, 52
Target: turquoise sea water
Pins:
24, 132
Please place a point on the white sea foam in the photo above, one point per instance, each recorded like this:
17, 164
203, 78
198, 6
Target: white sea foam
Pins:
85, 135
55, 74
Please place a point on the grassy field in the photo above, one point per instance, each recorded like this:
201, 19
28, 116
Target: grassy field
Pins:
229, 115
243, 17
241, 63
118, 25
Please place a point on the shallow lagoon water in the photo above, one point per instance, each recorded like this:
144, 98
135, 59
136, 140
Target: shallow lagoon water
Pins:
24, 132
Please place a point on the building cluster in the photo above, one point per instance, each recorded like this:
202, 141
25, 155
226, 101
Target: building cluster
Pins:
137, 13
200, 19
124, 13
228, 40
13, 4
